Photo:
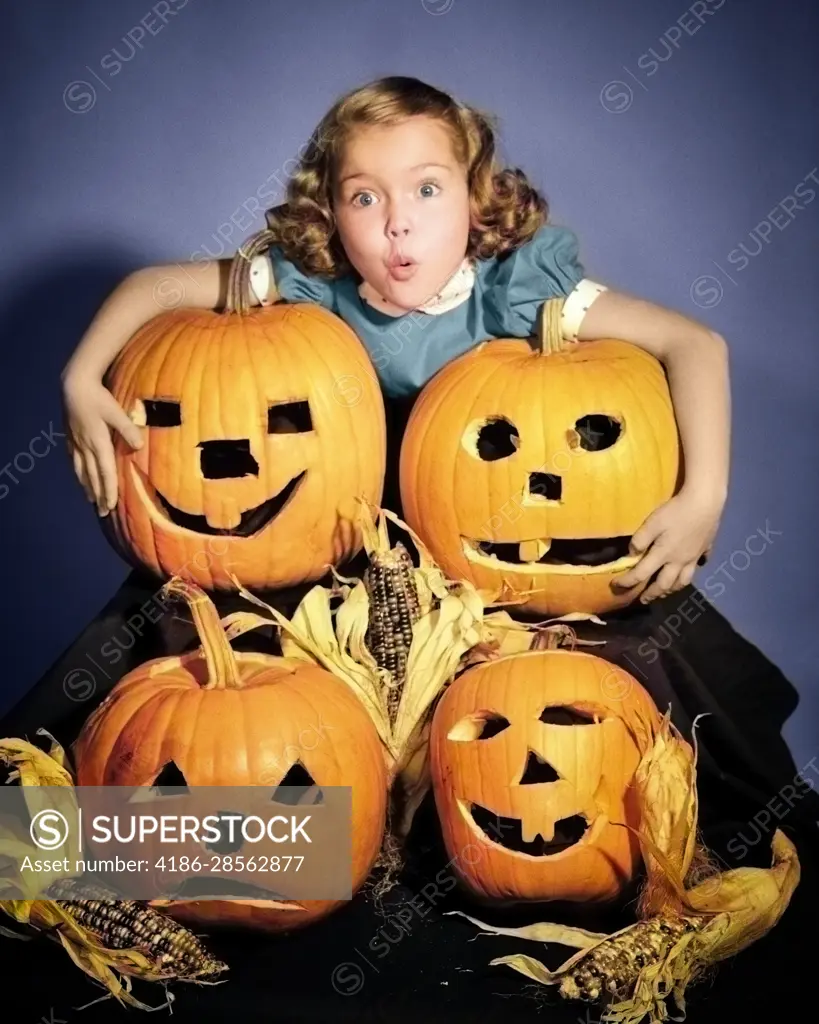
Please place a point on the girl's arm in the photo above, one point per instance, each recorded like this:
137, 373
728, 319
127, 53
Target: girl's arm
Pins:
696, 362
139, 298
91, 411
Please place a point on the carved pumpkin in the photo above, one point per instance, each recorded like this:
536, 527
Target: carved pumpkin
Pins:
532, 759
215, 717
261, 429
526, 471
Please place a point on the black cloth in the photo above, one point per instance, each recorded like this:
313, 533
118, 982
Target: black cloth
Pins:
405, 961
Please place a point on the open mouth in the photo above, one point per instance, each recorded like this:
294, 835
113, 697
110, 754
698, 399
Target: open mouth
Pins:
508, 833
601, 553
251, 522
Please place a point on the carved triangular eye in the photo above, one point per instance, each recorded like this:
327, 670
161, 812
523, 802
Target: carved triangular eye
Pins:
170, 776
297, 787
537, 770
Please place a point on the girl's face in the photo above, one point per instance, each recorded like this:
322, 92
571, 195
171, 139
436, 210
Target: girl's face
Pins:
401, 192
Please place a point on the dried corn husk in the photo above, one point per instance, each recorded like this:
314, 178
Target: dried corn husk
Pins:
34, 768
450, 623
112, 968
683, 930
449, 632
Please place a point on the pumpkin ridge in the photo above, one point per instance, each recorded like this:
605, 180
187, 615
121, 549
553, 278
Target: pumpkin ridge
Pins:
425, 485
156, 728
149, 709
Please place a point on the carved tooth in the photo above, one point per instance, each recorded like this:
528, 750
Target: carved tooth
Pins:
530, 832
527, 832
533, 550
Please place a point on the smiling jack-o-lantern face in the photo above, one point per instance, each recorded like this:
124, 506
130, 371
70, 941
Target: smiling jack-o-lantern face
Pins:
216, 717
533, 758
260, 432
528, 472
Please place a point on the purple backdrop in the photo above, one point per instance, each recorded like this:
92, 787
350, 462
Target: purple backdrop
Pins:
679, 142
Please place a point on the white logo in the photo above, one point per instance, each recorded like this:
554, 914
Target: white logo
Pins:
48, 829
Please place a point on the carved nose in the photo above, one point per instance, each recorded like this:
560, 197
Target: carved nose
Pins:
223, 459
537, 770
546, 485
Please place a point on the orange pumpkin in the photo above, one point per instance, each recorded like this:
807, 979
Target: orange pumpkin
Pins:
532, 759
526, 470
261, 430
215, 717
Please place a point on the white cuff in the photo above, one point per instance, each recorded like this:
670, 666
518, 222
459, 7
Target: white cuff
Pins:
260, 276
576, 306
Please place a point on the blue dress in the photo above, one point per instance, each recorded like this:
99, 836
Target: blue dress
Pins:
408, 350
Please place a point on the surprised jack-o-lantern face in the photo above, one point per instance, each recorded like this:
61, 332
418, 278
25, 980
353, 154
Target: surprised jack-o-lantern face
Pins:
533, 758
260, 433
528, 474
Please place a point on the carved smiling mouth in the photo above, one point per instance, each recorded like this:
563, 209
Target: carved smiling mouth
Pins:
590, 553
251, 522
508, 832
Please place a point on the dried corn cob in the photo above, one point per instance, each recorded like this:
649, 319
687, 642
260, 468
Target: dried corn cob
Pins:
684, 930
129, 924
394, 609
112, 941
609, 970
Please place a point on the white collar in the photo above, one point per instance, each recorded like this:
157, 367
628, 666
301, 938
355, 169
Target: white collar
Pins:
456, 290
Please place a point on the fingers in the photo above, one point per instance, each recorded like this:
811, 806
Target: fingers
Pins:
664, 583
643, 570
95, 468
686, 575
669, 583
647, 534
117, 417
94, 479
107, 463
82, 476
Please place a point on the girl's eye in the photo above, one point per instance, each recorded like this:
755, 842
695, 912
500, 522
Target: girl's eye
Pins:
426, 184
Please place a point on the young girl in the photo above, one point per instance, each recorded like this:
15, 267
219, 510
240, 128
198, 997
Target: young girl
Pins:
400, 220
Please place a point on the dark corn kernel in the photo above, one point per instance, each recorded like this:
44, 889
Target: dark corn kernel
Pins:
394, 609
130, 924
613, 965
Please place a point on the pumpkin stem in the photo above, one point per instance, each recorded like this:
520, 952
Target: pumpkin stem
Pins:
222, 669
549, 335
238, 287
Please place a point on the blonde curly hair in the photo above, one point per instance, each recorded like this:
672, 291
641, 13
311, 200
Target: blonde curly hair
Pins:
505, 209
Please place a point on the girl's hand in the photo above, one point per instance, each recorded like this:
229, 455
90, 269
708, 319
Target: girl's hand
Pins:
678, 532
90, 413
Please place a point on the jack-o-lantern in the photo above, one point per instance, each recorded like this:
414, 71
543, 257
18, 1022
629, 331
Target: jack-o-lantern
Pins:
533, 759
216, 717
262, 429
527, 469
